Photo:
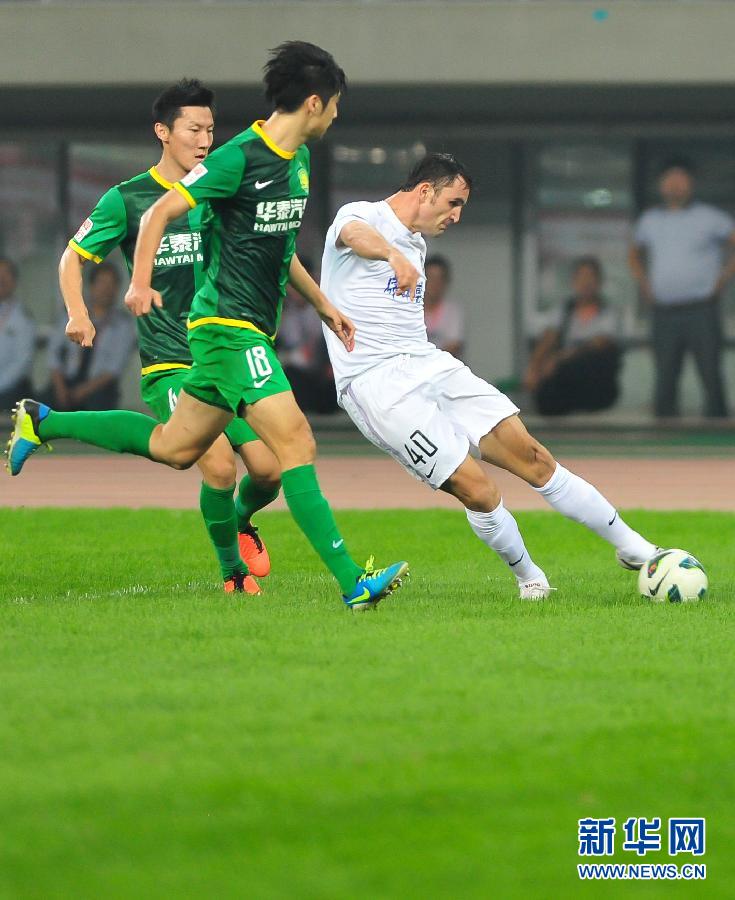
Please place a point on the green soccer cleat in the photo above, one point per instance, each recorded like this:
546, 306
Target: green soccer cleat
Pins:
24, 441
374, 584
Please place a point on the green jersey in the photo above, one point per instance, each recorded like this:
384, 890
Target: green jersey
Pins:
178, 268
257, 193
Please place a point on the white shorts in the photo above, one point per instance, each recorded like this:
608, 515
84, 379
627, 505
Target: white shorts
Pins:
428, 412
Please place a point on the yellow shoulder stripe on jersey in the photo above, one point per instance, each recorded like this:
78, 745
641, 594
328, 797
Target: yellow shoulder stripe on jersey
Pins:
185, 194
85, 253
163, 367
156, 176
257, 127
229, 323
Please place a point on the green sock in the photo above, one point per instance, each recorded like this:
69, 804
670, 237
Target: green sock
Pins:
250, 498
218, 512
314, 517
116, 429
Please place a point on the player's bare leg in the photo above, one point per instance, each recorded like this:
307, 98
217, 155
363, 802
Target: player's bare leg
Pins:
283, 427
256, 490
189, 433
511, 447
217, 465
262, 464
495, 526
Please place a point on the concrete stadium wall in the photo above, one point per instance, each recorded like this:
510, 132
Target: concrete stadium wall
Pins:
549, 42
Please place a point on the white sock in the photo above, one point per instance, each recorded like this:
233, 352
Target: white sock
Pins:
577, 499
499, 530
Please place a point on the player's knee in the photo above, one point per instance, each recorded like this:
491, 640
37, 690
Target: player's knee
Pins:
268, 482
219, 471
542, 465
179, 464
181, 459
482, 498
264, 471
473, 489
300, 449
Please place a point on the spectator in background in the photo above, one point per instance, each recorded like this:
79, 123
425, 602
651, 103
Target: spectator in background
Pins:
677, 258
86, 379
303, 353
574, 366
444, 318
17, 340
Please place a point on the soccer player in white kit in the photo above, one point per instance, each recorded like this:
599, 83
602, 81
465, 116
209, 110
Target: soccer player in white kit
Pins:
420, 404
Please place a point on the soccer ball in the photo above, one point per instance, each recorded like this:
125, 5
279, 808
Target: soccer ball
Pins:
672, 575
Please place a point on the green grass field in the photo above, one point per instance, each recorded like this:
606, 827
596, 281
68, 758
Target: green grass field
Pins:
160, 740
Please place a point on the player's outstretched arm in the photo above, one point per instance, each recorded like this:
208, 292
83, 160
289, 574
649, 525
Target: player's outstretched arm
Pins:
368, 243
141, 296
79, 328
343, 327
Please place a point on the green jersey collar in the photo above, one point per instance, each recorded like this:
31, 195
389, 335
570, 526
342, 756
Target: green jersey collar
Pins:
257, 127
156, 176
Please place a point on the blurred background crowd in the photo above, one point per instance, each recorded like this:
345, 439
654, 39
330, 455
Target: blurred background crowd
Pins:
591, 272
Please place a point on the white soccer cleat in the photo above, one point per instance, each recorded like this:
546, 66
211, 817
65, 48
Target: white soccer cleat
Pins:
537, 589
630, 564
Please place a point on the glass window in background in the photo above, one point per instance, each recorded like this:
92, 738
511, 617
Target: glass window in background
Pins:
580, 203
31, 232
370, 169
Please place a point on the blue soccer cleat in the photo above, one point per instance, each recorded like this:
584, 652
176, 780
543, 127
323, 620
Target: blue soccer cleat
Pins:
24, 441
374, 584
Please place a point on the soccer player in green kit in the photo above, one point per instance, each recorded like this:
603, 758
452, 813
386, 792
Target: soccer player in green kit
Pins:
183, 123
257, 185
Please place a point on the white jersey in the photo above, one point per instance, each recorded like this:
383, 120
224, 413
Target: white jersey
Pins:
388, 323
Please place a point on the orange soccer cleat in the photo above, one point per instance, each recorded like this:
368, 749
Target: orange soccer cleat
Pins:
240, 583
253, 552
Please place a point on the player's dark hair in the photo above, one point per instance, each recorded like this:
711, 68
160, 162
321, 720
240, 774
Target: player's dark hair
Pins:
4, 261
186, 92
677, 162
105, 267
296, 70
441, 262
588, 262
439, 169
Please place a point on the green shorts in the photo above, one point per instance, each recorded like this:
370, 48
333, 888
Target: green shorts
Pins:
232, 367
160, 391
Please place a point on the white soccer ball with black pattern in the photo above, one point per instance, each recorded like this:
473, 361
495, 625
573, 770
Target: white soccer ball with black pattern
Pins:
673, 576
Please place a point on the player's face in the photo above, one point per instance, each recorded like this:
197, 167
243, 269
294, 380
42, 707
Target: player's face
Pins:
321, 116
190, 137
441, 207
